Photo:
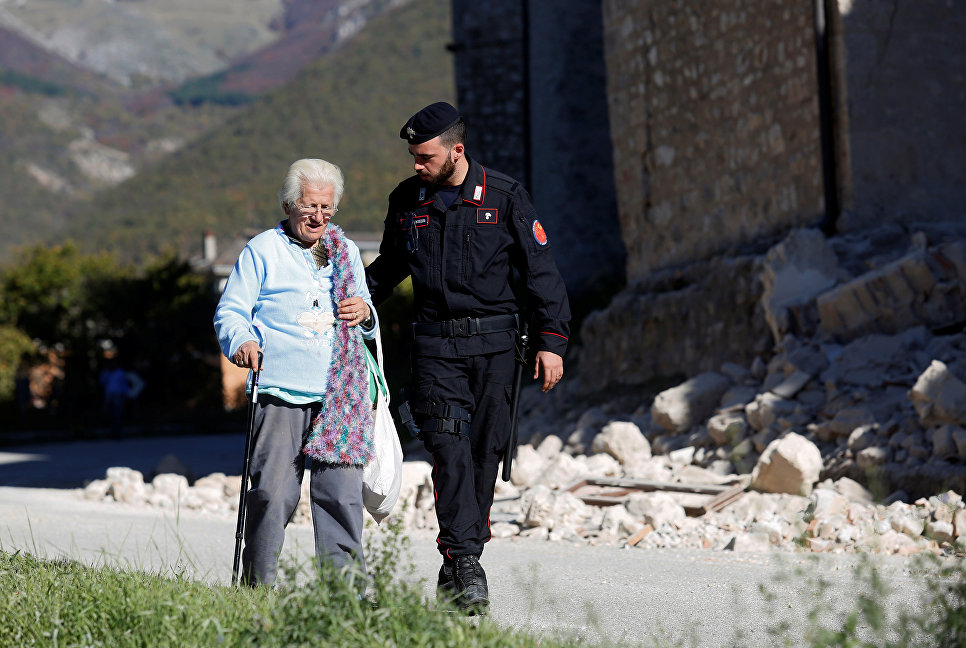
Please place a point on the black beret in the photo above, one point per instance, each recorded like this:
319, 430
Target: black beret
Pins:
429, 122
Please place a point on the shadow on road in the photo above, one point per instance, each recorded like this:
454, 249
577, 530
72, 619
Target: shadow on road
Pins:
72, 464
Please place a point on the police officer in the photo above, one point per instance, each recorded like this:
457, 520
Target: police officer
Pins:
459, 229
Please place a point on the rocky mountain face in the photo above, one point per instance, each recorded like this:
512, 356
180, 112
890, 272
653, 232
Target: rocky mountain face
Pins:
139, 44
308, 30
92, 93
146, 42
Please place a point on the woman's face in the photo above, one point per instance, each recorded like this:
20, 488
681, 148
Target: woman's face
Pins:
307, 218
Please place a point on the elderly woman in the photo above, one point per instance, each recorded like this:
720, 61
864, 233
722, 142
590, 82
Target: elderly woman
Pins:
297, 299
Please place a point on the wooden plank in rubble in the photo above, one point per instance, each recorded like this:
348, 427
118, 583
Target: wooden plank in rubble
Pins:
696, 499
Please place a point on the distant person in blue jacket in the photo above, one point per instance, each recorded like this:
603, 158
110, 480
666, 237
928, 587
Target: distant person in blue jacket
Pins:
114, 382
298, 296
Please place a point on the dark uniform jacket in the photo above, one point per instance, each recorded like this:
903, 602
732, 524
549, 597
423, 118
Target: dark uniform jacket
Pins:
461, 262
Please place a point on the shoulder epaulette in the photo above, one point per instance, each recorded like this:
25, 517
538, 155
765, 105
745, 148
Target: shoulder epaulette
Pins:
500, 181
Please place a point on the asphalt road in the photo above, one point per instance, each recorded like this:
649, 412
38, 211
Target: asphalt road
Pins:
695, 597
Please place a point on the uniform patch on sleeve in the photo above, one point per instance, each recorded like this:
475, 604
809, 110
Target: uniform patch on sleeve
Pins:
488, 216
539, 235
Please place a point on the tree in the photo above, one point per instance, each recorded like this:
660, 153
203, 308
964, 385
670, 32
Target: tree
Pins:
15, 345
156, 321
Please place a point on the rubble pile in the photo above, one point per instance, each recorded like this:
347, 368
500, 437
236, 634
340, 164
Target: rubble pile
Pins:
850, 435
217, 494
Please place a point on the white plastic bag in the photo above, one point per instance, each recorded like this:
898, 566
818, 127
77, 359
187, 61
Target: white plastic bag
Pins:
382, 476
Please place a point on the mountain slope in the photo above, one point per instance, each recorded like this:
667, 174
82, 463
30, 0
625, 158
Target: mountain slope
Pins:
23, 62
148, 41
346, 107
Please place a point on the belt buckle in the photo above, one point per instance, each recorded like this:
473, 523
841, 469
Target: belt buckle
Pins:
461, 327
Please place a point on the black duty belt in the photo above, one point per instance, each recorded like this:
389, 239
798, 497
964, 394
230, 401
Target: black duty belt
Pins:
466, 326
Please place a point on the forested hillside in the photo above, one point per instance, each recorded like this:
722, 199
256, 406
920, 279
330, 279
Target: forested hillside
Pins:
345, 107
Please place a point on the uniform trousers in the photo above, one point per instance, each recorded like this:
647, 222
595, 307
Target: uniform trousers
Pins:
465, 465
277, 467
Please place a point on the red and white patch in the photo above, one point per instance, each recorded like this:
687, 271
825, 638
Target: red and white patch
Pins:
487, 216
539, 235
415, 221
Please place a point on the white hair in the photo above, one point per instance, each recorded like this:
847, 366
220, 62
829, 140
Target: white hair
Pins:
313, 173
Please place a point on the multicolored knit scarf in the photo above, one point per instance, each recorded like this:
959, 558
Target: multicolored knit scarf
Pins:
342, 432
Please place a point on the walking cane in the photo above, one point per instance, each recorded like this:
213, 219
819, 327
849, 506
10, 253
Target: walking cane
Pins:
240, 528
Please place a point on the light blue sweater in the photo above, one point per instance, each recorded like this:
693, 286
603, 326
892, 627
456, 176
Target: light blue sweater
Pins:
277, 297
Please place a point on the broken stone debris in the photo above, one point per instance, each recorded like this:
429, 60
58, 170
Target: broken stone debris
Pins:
850, 434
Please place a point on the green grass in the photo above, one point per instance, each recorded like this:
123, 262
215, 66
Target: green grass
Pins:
64, 603
936, 620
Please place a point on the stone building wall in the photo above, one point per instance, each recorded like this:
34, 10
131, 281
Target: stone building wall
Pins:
489, 61
680, 323
902, 75
562, 123
714, 146
714, 123
573, 171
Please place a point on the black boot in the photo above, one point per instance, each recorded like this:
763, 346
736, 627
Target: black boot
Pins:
445, 588
470, 582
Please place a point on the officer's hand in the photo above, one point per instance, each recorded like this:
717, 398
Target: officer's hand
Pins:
247, 355
552, 365
353, 310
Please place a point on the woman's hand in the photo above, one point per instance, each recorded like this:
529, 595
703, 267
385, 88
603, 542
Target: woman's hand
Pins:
247, 355
353, 311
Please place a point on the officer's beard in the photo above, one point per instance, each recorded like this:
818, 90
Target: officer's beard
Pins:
445, 172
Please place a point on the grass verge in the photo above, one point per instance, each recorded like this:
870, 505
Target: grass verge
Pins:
936, 618
65, 603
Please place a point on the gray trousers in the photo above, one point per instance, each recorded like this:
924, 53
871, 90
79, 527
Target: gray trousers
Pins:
276, 470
